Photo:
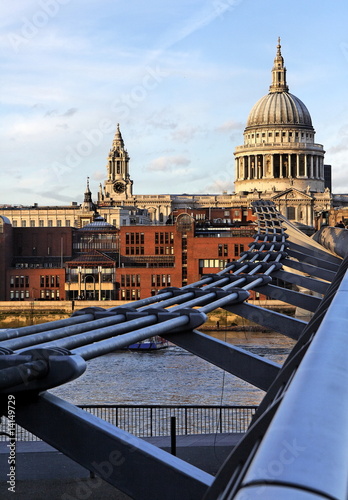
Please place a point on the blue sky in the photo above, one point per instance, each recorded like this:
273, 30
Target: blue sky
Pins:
179, 76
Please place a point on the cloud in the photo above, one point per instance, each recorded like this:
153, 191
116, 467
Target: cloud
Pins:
339, 148
167, 163
53, 195
161, 121
70, 112
229, 125
185, 134
62, 125
219, 186
52, 112
98, 175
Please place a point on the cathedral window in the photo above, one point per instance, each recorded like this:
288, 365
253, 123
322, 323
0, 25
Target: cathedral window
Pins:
291, 213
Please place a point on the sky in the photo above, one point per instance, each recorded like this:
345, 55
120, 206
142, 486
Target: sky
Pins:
180, 77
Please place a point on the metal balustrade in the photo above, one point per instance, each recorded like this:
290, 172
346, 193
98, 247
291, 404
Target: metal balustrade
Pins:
154, 420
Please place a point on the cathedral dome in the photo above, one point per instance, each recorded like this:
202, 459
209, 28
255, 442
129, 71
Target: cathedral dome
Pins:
279, 108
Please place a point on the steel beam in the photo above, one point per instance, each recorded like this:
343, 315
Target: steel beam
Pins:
304, 281
312, 260
273, 320
132, 465
303, 300
317, 253
12, 333
309, 269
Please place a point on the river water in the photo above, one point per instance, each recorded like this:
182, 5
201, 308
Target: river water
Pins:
172, 376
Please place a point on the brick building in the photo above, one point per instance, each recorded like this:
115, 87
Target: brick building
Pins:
155, 257
36, 263
102, 262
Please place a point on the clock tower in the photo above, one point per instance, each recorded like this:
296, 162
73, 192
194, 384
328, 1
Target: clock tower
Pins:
118, 186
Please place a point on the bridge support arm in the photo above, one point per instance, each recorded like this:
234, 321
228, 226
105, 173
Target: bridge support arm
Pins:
303, 300
112, 454
280, 323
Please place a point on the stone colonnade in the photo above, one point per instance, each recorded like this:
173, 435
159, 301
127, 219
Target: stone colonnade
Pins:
282, 165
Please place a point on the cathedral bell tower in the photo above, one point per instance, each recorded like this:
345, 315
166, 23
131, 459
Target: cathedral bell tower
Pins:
118, 186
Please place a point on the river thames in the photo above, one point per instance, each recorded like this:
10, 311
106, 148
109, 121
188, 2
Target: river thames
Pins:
172, 376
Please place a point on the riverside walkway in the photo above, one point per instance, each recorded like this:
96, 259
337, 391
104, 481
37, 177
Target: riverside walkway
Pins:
296, 446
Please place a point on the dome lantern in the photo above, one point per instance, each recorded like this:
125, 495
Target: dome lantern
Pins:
279, 73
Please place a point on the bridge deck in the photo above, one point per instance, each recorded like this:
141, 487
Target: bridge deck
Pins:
296, 446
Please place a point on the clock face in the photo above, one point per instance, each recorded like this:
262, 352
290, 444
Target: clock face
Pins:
119, 187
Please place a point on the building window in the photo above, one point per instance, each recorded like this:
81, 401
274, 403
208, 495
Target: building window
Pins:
14, 223
41, 223
32, 223
59, 223
50, 223
291, 215
67, 223
24, 223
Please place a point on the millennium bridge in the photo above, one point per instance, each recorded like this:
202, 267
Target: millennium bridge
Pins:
296, 447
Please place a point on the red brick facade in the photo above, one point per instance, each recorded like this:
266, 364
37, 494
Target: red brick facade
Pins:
125, 264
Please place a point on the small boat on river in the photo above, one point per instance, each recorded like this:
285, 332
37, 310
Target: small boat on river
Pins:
150, 344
